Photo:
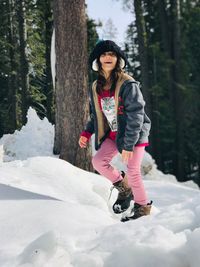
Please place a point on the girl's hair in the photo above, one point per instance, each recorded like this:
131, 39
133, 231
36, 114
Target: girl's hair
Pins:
101, 80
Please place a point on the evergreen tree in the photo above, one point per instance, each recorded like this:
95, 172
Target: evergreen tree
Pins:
25, 61
109, 30
8, 67
40, 28
172, 49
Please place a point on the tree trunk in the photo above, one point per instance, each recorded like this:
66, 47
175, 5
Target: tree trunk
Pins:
12, 90
48, 83
143, 55
166, 48
71, 80
167, 40
165, 34
24, 68
178, 94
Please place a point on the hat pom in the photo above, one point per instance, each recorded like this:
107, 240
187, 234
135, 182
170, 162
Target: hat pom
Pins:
122, 63
95, 65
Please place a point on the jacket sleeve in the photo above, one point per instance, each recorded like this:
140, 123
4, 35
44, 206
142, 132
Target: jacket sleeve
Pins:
134, 110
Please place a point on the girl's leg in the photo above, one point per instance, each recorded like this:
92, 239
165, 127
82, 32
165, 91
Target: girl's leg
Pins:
135, 177
101, 161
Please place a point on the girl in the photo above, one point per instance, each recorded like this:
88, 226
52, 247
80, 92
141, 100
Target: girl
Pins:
118, 119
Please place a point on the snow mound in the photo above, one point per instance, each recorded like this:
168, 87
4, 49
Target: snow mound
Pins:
58, 179
63, 218
34, 139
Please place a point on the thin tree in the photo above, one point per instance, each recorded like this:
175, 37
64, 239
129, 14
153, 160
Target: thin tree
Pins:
178, 91
12, 85
48, 77
109, 31
24, 68
143, 54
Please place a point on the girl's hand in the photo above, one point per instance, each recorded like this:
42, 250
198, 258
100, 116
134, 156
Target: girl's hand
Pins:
126, 155
83, 141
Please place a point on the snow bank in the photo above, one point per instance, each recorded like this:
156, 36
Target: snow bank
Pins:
59, 215
34, 139
53, 214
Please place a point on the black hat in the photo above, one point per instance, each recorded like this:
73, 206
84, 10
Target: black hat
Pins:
106, 46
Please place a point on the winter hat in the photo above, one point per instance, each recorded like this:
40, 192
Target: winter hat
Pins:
106, 46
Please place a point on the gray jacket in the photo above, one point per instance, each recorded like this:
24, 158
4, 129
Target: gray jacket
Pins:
132, 122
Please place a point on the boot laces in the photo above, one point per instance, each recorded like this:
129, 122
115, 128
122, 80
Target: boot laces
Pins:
119, 186
121, 190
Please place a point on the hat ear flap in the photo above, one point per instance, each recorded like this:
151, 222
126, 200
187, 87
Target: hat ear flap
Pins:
122, 63
95, 66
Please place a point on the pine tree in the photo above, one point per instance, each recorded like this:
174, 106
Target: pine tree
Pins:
172, 52
109, 30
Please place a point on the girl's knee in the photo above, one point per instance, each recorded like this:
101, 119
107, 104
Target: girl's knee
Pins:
99, 164
96, 162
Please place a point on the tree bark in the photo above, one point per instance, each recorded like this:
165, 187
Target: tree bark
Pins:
165, 33
48, 83
12, 90
144, 65
24, 68
143, 55
71, 80
178, 94
166, 48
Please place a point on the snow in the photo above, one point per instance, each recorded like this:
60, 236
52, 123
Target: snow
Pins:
53, 214
34, 139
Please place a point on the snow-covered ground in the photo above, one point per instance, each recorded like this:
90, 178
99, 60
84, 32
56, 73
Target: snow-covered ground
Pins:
53, 214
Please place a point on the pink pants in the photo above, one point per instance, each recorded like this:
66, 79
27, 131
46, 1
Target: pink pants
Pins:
101, 163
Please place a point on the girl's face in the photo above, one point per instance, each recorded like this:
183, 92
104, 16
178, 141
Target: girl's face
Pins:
108, 61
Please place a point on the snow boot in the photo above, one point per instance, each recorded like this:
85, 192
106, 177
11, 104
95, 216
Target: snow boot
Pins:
138, 211
124, 195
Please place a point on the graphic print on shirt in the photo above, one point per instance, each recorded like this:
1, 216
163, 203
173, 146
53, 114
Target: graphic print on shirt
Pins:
108, 108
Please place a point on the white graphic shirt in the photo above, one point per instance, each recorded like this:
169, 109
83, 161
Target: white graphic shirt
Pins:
108, 108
